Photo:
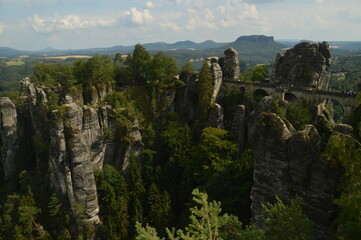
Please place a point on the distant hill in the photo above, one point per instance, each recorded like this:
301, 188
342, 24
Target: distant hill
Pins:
252, 49
10, 52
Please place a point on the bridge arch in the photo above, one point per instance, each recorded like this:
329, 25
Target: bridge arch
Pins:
290, 97
260, 93
338, 110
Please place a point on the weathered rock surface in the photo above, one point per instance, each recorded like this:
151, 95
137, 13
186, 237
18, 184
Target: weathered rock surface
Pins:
185, 99
217, 77
344, 129
305, 65
8, 135
230, 65
77, 141
287, 164
216, 117
238, 126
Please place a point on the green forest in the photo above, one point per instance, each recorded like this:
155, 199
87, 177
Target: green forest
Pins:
190, 181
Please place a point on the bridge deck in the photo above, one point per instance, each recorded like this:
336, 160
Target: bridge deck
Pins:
295, 89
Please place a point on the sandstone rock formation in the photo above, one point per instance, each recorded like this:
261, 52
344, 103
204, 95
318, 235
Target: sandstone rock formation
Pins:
287, 164
185, 103
305, 65
238, 126
8, 135
217, 76
230, 65
74, 140
216, 117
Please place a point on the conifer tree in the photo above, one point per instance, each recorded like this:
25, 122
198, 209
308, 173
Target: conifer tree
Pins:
136, 192
205, 223
139, 63
113, 198
286, 222
159, 207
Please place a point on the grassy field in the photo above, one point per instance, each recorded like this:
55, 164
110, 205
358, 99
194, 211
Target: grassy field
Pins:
14, 63
68, 56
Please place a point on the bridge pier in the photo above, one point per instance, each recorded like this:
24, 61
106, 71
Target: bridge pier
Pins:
279, 94
347, 111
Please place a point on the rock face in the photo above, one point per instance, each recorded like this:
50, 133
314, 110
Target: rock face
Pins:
185, 98
230, 65
217, 77
286, 164
216, 117
238, 126
75, 138
9, 136
305, 65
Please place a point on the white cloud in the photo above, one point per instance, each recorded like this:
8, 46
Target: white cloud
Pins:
196, 3
236, 12
69, 22
171, 26
322, 23
1, 28
200, 19
139, 17
149, 5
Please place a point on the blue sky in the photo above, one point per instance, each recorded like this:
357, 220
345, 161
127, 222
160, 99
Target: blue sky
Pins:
65, 24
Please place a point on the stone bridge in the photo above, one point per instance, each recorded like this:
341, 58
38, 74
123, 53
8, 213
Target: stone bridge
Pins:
292, 94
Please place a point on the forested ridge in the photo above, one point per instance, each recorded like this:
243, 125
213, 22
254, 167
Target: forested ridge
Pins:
190, 181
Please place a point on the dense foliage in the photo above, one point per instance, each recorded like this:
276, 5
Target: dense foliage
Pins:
345, 72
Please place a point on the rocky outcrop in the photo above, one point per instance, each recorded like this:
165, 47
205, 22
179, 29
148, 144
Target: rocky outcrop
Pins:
185, 98
79, 140
238, 126
230, 65
287, 164
217, 77
118, 154
344, 129
216, 117
9, 136
305, 65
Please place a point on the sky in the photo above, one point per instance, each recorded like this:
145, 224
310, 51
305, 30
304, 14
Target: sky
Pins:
78, 24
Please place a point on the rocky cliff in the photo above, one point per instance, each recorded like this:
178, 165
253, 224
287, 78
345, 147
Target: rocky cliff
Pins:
287, 164
305, 65
9, 136
71, 141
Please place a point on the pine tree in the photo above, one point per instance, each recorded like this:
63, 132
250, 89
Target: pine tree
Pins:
159, 207
139, 63
286, 222
113, 200
136, 192
206, 223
